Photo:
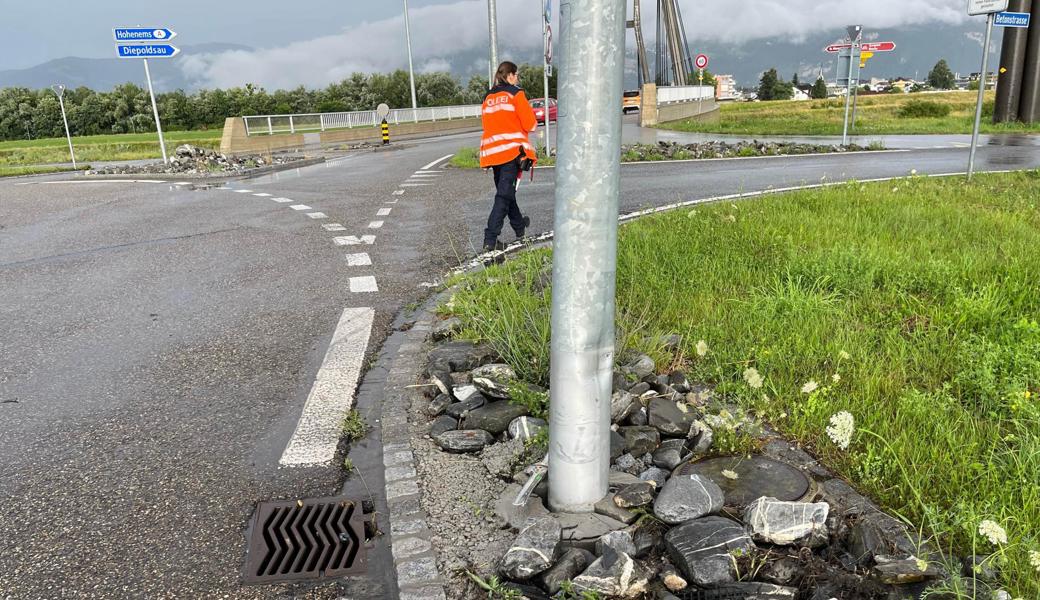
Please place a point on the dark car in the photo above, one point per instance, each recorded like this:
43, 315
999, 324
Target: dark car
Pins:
538, 104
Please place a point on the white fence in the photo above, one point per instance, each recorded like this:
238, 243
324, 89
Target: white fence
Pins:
684, 93
275, 124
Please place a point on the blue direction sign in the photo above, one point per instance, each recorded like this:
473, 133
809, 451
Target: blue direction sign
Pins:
1011, 19
146, 50
143, 34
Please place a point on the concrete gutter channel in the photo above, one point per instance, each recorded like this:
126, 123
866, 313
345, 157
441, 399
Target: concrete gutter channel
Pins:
384, 400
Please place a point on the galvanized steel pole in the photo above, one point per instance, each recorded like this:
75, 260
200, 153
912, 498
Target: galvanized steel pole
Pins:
411, 71
493, 38
585, 251
155, 111
59, 91
848, 97
545, 72
982, 92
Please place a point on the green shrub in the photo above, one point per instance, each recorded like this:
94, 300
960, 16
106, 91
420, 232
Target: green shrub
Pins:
924, 109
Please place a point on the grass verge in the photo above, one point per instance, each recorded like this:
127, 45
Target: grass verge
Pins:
910, 304
101, 147
37, 170
875, 115
466, 158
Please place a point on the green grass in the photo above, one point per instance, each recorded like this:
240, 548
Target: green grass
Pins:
466, 158
101, 147
40, 170
875, 115
928, 285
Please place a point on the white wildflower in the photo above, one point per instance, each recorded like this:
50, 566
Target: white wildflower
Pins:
836, 377
702, 348
842, 426
895, 189
913, 171
753, 377
729, 474
993, 532
922, 565
810, 387
1034, 559
844, 355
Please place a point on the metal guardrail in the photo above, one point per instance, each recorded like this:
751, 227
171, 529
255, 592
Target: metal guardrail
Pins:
276, 124
684, 93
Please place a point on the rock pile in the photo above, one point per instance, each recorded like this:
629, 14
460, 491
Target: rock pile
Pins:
667, 529
676, 151
194, 161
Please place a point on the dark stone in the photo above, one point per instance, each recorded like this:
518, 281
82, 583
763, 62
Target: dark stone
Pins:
445, 329
702, 549
980, 566
582, 530
667, 416
638, 418
658, 476
755, 591
619, 479
635, 495
525, 428
629, 464
534, 549
461, 356
639, 389
679, 382
570, 564
622, 404
619, 541
465, 440
438, 404
524, 592
640, 440
756, 477
620, 382
671, 453
441, 378
877, 533
494, 416
614, 574
843, 499
639, 366
785, 451
617, 445
443, 424
784, 571
494, 380
459, 409
899, 571
686, 497
608, 508
647, 537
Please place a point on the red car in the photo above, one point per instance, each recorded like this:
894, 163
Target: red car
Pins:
538, 104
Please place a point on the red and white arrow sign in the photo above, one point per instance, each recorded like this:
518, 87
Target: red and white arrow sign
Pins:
877, 47
833, 48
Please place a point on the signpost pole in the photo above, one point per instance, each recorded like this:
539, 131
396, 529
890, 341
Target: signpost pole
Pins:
545, 70
59, 91
155, 111
588, 173
982, 92
855, 96
493, 38
848, 99
411, 71
700, 95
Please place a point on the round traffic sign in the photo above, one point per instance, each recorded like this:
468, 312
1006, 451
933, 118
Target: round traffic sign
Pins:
382, 111
159, 34
701, 62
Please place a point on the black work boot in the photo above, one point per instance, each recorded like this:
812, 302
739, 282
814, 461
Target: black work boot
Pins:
498, 258
496, 247
523, 230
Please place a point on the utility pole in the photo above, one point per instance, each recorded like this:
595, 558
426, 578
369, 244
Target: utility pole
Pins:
493, 38
59, 91
411, 71
585, 251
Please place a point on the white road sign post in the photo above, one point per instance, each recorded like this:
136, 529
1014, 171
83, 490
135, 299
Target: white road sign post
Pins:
145, 51
988, 8
855, 33
59, 91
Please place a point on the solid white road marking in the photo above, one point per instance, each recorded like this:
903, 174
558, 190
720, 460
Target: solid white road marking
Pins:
319, 429
398, 192
333, 227
318, 215
363, 285
413, 184
382, 212
361, 259
282, 200
263, 195
77, 181
375, 224
434, 163
243, 191
353, 240
300, 207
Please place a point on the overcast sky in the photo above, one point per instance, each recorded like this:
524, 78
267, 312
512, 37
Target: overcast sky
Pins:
314, 42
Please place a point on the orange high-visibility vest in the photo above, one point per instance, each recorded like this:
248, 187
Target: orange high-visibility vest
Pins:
507, 119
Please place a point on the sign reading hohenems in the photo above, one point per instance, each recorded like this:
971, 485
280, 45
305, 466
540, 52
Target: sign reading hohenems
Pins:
143, 34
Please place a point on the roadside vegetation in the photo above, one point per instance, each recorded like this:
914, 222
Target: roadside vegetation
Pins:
467, 158
875, 115
910, 304
42, 170
97, 148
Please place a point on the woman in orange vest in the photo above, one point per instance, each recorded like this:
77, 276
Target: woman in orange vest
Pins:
507, 118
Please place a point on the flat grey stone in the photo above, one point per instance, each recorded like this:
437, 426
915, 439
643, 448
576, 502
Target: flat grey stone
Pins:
672, 452
617, 445
525, 428
460, 409
461, 355
635, 495
622, 404
534, 549
702, 549
443, 424
668, 416
582, 530
517, 516
686, 497
655, 475
640, 366
401, 472
463, 440
406, 547
571, 563
417, 571
607, 507
493, 417
494, 380
438, 404
640, 440
618, 541
619, 479
404, 487
614, 575
426, 592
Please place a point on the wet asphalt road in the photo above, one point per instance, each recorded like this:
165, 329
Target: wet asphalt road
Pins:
157, 345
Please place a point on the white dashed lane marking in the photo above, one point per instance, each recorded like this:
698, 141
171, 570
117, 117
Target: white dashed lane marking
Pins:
319, 429
361, 259
317, 215
439, 160
333, 227
353, 240
243, 191
375, 224
382, 212
300, 207
425, 174
282, 200
398, 192
394, 201
263, 195
363, 285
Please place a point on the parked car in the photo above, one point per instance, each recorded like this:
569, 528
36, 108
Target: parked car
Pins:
538, 104
630, 101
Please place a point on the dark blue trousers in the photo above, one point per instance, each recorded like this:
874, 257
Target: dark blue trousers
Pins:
505, 203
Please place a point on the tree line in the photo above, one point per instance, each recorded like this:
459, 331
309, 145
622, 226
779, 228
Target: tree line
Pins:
31, 114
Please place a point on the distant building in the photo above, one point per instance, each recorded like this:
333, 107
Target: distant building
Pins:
726, 88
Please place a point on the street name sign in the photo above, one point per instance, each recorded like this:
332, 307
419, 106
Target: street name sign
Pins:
147, 50
1011, 19
143, 34
985, 7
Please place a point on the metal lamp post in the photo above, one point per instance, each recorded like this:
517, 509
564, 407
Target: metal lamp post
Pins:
59, 91
545, 69
585, 251
411, 71
493, 39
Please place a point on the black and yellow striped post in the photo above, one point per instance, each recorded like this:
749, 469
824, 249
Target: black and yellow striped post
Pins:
386, 133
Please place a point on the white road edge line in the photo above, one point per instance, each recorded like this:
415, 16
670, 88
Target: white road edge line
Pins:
434, 163
318, 431
363, 285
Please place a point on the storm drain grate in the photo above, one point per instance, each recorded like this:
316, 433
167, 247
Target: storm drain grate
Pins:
305, 539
